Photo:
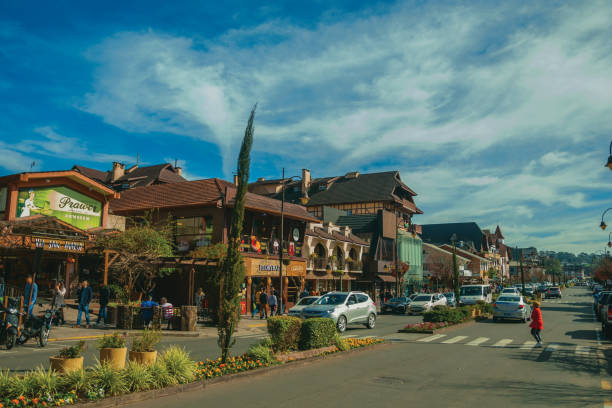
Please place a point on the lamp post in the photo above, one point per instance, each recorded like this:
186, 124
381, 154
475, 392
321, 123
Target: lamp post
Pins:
455, 269
282, 235
609, 163
603, 225
522, 272
610, 240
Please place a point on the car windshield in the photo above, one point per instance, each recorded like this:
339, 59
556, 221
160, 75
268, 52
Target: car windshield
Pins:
554, 289
471, 291
422, 298
397, 300
449, 295
306, 301
331, 299
509, 299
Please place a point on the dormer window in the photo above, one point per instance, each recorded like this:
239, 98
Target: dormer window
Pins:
322, 187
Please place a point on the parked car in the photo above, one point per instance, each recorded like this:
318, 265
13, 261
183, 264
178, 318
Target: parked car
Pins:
605, 315
304, 302
554, 292
396, 305
451, 300
344, 308
511, 291
511, 307
602, 299
470, 294
426, 301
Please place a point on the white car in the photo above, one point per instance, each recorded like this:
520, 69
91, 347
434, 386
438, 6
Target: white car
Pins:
424, 302
304, 302
510, 291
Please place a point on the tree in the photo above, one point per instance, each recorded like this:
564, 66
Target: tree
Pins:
603, 271
441, 269
232, 268
492, 272
553, 267
139, 250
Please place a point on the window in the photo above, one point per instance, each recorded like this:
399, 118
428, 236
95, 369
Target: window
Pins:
352, 299
193, 232
322, 187
361, 298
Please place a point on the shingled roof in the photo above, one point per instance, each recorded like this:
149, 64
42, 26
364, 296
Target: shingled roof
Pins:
207, 192
360, 223
135, 176
439, 234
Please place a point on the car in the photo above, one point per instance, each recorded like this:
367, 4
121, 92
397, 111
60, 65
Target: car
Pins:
510, 291
554, 292
511, 307
424, 302
344, 308
470, 294
451, 300
396, 305
601, 300
605, 315
304, 302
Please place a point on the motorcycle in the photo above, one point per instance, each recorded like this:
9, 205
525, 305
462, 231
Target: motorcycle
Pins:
9, 323
37, 326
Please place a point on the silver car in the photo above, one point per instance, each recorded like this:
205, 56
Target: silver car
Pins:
303, 303
344, 308
511, 307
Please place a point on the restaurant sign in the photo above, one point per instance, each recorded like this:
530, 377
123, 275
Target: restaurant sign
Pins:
271, 267
57, 245
67, 205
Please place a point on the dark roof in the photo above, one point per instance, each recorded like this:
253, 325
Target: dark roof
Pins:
335, 236
207, 192
440, 234
101, 176
136, 177
42, 224
363, 223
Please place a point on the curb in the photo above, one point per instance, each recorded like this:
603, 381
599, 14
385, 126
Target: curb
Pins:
442, 330
202, 384
128, 334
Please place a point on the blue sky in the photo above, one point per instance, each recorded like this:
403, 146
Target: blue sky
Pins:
493, 112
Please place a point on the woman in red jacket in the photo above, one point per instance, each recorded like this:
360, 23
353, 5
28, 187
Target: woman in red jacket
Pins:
536, 323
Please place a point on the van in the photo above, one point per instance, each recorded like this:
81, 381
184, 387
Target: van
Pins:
470, 294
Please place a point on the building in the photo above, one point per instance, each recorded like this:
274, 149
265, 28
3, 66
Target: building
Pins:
47, 223
493, 248
438, 269
478, 267
119, 178
467, 235
202, 210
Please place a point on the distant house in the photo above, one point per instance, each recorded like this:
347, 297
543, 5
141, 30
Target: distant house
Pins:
120, 178
467, 235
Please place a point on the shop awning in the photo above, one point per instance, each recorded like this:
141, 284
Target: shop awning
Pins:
386, 278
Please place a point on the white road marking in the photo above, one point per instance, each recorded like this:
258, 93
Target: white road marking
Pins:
454, 340
503, 343
478, 341
582, 350
528, 345
551, 347
432, 338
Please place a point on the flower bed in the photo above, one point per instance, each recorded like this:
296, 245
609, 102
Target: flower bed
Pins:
426, 327
215, 368
48, 401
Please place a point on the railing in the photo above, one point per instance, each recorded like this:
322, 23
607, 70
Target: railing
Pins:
355, 266
319, 263
266, 246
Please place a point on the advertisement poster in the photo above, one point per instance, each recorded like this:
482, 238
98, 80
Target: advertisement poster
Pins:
68, 205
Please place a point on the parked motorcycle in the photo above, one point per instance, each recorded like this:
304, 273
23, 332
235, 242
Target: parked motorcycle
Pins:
9, 322
37, 326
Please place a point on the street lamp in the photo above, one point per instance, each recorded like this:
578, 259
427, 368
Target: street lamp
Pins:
603, 225
609, 164
610, 240
453, 239
282, 226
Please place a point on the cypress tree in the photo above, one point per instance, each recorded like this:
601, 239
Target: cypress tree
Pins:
232, 268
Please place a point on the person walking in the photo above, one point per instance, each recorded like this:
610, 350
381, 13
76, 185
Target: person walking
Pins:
537, 324
104, 299
30, 292
58, 301
255, 304
84, 296
263, 305
273, 302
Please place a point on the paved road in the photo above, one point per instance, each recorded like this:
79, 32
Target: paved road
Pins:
30, 355
485, 364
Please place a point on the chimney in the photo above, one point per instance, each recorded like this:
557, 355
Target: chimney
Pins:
236, 180
260, 179
305, 182
118, 170
179, 171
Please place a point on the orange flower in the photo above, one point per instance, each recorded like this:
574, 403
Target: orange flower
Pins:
44, 404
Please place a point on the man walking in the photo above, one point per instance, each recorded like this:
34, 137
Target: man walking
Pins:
84, 295
30, 292
104, 299
272, 301
263, 305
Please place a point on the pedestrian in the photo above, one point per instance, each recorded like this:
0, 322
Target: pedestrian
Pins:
58, 300
273, 303
84, 295
30, 292
537, 324
199, 299
146, 310
255, 304
104, 299
263, 305
167, 311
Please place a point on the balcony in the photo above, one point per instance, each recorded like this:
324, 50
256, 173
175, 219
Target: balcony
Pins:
318, 264
355, 266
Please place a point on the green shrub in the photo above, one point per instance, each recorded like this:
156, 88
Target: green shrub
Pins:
114, 340
72, 351
146, 341
160, 376
75, 380
445, 314
341, 343
41, 382
466, 312
179, 365
138, 377
316, 333
16, 386
105, 377
5, 384
486, 308
284, 332
261, 351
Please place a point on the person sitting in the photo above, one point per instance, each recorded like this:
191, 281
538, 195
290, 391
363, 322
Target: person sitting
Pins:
146, 309
167, 311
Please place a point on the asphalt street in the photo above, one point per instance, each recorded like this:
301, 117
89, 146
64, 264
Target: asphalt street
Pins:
484, 364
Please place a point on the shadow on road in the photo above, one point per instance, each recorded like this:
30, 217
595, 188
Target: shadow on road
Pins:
564, 359
582, 334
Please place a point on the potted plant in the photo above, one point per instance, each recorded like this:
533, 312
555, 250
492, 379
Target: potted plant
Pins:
69, 359
113, 350
143, 347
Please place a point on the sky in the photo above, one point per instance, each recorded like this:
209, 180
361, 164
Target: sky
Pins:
494, 112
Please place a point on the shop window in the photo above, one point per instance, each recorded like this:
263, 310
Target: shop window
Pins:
193, 232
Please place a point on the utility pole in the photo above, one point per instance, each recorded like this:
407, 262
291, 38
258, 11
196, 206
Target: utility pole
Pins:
455, 268
282, 236
397, 271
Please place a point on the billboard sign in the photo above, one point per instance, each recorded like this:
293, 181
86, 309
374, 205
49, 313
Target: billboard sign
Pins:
66, 204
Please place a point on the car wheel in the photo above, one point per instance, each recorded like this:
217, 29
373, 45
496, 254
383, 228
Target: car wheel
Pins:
371, 321
341, 324
11, 339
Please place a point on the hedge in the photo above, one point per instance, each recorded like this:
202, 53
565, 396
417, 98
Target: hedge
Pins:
316, 333
284, 332
446, 314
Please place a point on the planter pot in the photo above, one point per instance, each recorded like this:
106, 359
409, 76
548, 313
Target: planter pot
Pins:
124, 317
114, 356
143, 357
66, 365
111, 315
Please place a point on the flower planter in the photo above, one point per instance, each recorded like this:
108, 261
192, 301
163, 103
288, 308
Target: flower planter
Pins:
124, 317
66, 365
114, 356
143, 357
